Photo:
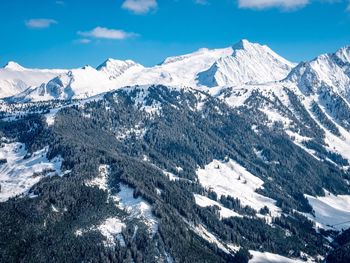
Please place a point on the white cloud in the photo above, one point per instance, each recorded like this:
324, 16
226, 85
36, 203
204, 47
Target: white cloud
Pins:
140, 6
60, 2
106, 33
262, 4
40, 23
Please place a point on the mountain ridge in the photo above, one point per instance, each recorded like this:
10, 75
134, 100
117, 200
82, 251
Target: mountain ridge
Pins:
238, 64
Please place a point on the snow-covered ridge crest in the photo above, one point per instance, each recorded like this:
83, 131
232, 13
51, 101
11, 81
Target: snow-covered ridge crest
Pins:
327, 70
198, 53
343, 54
114, 68
15, 78
243, 62
77, 83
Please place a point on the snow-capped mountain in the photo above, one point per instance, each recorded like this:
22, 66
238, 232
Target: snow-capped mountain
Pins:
248, 63
328, 70
114, 68
11, 65
77, 83
325, 81
14, 78
241, 63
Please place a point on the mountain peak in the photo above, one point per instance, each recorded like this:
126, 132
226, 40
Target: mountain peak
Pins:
344, 54
242, 44
13, 66
330, 69
249, 63
114, 68
112, 63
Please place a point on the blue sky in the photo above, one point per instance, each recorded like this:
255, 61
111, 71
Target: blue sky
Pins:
73, 33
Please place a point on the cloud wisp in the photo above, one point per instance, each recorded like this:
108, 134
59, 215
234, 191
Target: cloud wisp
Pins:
83, 41
140, 6
202, 2
40, 23
264, 4
106, 33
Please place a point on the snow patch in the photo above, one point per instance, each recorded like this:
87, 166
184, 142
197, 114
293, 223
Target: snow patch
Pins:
136, 207
260, 155
266, 257
19, 171
172, 177
169, 258
204, 233
231, 179
204, 201
298, 140
179, 169
275, 117
331, 211
137, 131
101, 181
55, 209
50, 119
111, 229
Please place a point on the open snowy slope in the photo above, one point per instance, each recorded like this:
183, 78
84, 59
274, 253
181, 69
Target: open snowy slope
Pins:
231, 179
331, 211
19, 172
204, 201
266, 257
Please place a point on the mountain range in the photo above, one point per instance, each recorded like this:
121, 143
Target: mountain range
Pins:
223, 155
243, 63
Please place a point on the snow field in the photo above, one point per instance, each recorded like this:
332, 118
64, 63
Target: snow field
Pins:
20, 172
231, 179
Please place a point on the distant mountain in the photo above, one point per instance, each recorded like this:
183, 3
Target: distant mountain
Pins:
11, 65
248, 63
326, 80
115, 68
329, 70
77, 83
14, 78
241, 63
